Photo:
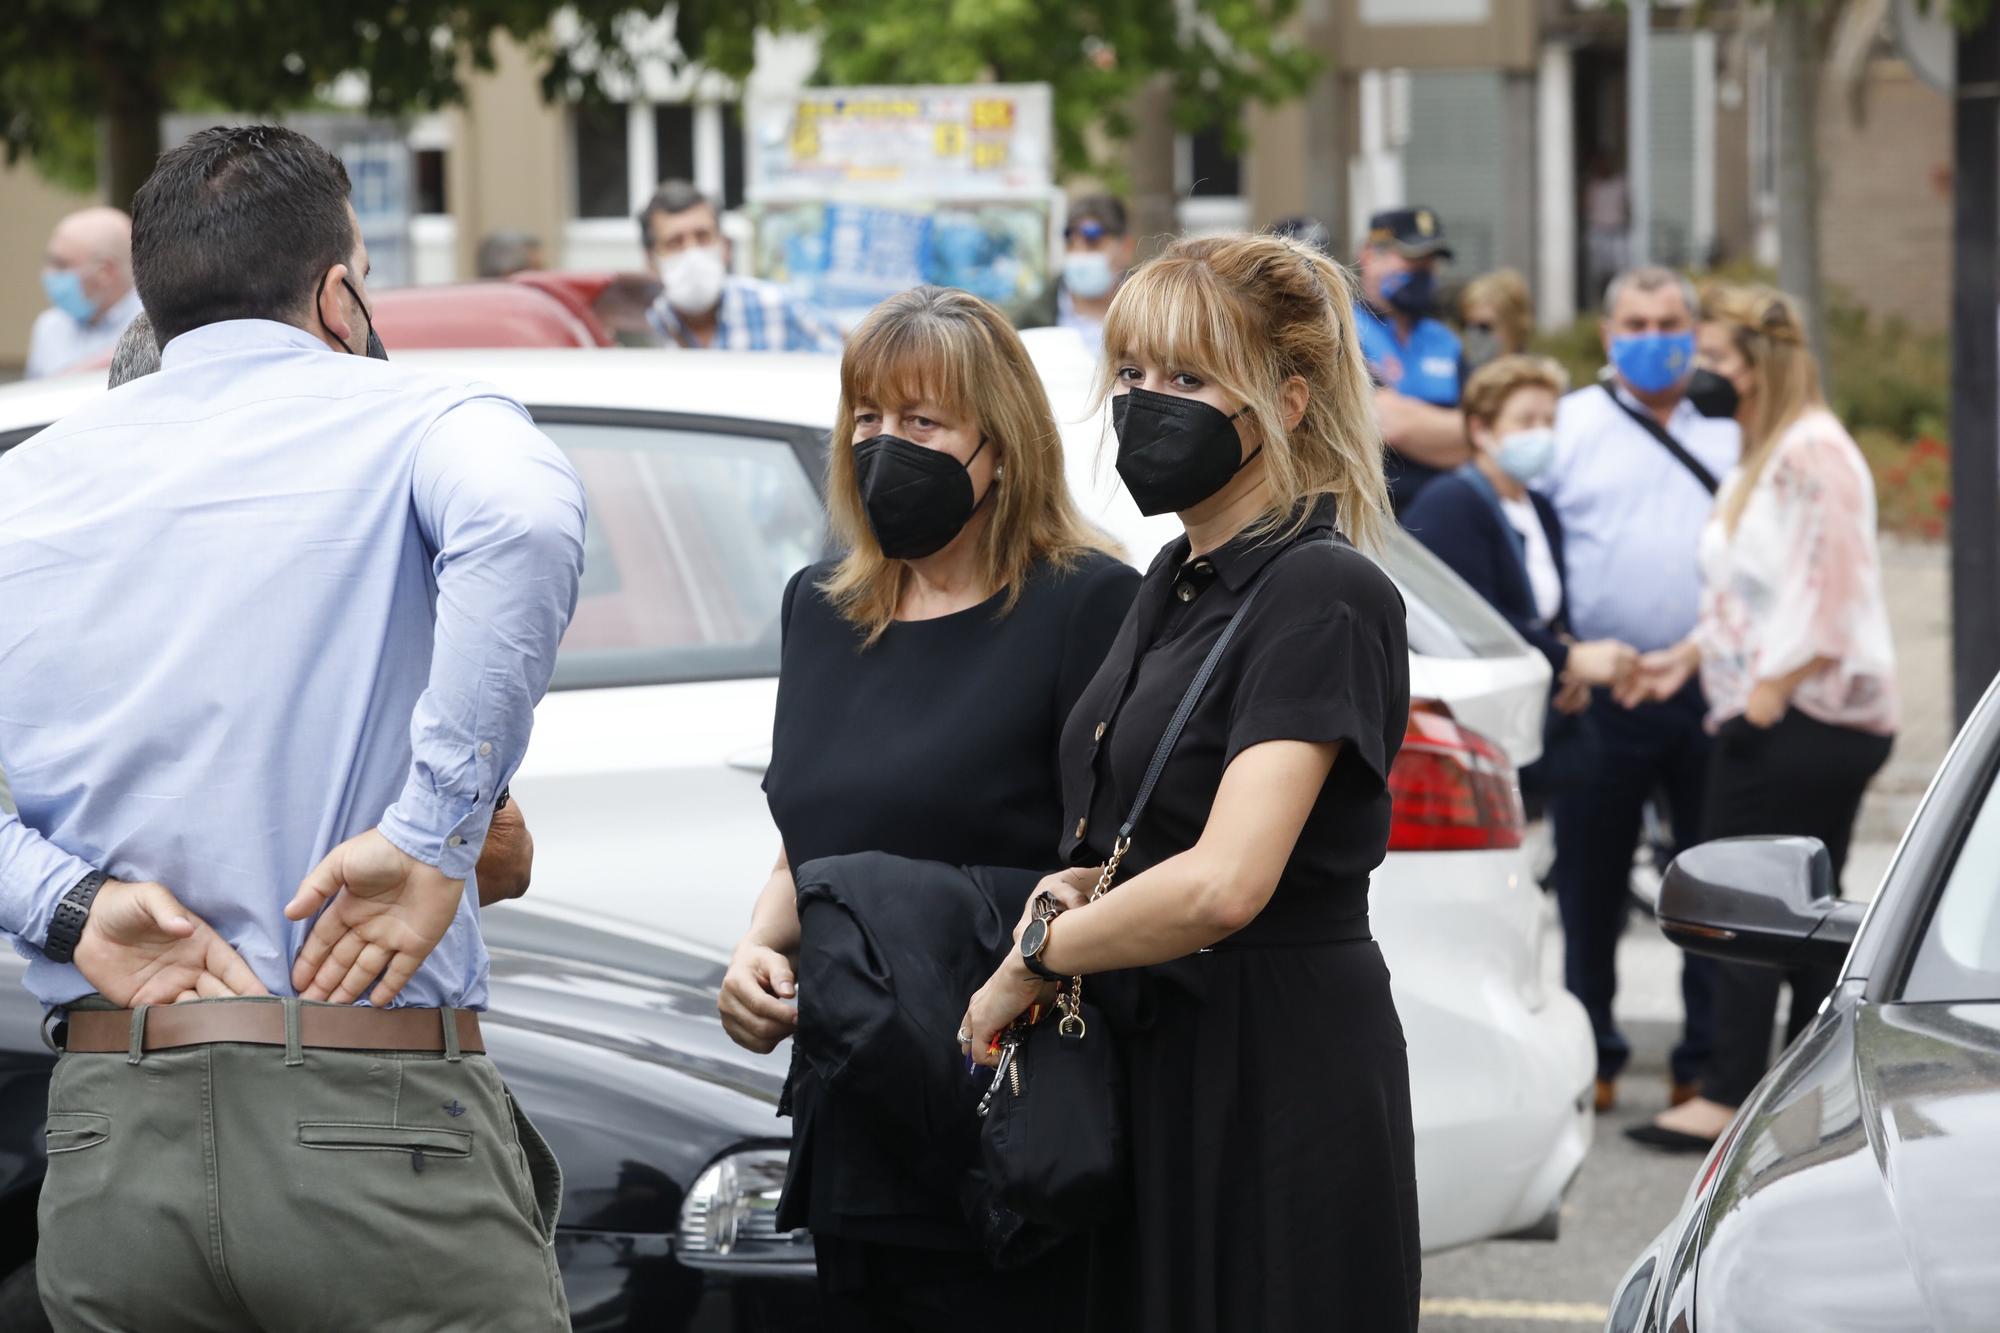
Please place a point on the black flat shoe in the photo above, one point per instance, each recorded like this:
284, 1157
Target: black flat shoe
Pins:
1667, 1140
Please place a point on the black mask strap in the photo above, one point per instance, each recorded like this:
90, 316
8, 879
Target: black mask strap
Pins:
368, 318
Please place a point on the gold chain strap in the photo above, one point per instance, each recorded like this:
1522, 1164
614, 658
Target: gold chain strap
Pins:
1070, 999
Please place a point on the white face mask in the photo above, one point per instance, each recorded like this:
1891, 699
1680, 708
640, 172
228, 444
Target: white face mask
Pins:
693, 279
1526, 455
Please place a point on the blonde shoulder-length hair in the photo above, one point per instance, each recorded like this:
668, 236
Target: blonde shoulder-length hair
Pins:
1769, 333
1248, 313
948, 348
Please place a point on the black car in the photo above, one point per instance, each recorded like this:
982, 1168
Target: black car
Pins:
671, 1149
1859, 1186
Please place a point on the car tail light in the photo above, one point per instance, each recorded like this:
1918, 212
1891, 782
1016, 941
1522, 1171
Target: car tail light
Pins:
1454, 790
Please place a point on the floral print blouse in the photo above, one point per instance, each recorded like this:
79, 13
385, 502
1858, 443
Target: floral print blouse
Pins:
1800, 579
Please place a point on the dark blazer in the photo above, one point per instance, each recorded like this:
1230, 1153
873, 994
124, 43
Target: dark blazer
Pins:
1466, 530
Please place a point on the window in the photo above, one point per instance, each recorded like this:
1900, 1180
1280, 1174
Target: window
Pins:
1215, 170
1959, 958
673, 134
431, 196
692, 537
1446, 618
603, 156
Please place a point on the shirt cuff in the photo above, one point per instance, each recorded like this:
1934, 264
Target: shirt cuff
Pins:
438, 829
50, 875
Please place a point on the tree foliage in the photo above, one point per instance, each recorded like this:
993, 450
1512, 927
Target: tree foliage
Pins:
84, 79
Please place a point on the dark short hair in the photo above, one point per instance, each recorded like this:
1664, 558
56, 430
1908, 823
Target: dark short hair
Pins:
1106, 210
672, 199
238, 222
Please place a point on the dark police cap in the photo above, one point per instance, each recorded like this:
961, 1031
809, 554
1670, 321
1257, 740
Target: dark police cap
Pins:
1416, 232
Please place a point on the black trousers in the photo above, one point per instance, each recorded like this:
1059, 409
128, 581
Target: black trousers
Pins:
1654, 747
875, 1287
1800, 777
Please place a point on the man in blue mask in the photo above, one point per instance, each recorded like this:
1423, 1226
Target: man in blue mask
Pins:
1097, 249
1414, 358
87, 275
1633, 483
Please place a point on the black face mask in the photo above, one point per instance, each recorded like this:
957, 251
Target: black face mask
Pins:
1712, 395
375, 348
916, 499
1174, 452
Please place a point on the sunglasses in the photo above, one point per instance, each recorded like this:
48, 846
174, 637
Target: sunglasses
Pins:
1089, 230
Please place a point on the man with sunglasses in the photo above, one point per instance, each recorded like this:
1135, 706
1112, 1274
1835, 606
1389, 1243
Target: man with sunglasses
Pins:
1098, 249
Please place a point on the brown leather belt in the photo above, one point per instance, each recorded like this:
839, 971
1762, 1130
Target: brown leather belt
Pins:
262, 1023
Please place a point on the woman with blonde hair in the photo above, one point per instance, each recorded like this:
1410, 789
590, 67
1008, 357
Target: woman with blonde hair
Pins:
1272, 1155
1795, 656
924, 678
1498, 315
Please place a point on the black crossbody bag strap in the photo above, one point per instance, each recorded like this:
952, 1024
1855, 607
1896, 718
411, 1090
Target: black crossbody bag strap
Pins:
1673, 446
1171, 737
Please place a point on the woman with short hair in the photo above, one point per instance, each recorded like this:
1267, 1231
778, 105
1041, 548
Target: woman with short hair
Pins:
1497, 315
1274, 1184
925, 676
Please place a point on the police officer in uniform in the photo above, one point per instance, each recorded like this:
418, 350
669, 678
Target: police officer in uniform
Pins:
1414, 358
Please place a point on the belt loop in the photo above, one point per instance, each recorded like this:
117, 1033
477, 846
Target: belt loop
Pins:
295, 1053
138, 1047
450, 1016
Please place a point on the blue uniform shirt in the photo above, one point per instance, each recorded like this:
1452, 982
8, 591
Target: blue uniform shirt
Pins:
259, 602
1424, 366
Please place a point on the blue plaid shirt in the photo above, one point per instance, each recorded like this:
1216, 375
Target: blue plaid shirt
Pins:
755, 316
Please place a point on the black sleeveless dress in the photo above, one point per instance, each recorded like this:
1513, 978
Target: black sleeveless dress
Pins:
1273, 1153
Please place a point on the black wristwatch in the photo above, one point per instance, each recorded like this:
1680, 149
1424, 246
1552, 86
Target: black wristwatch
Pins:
500, 801
1035, 939
74, 909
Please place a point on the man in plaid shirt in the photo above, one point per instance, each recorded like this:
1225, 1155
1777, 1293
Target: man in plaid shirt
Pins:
702, 303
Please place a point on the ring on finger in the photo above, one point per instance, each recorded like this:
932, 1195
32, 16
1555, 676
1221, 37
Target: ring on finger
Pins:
964, 1037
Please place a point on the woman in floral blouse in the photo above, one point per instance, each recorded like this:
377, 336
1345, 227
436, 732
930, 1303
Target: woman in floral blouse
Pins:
1795, 658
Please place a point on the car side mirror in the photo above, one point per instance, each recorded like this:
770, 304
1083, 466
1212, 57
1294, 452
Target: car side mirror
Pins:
1759, 900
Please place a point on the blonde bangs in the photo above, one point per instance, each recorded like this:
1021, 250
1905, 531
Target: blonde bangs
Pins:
1178, 313
958, 354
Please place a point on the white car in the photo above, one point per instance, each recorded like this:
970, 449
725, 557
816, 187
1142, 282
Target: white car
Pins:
643, 780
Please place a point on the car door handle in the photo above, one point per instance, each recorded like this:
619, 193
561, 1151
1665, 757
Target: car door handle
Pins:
753, 760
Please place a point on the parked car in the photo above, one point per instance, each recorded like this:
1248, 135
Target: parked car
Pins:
652, 837
1855, 1189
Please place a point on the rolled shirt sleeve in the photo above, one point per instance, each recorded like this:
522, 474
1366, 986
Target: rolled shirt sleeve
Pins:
34, 876
504, 512
1823, 538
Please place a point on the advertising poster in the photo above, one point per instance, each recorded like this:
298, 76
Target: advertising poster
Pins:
859, 193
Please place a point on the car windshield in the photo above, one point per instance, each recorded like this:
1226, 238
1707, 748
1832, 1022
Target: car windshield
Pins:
1446, 617
1959, 958
691, 539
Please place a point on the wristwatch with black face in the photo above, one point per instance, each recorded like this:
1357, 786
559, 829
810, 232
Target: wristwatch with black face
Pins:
71, 914
1035, 939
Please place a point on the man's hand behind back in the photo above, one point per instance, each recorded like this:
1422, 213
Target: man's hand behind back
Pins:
385, 912
507, 858
140, 946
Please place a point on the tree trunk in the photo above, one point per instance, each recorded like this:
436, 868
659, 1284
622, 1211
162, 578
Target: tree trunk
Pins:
131, 136
1155, 220
1795, 60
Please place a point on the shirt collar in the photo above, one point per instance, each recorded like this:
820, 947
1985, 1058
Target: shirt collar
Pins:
668, 322
236, 335
1239, 559
1624, 394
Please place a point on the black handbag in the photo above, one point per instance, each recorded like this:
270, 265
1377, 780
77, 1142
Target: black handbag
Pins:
1052, 1124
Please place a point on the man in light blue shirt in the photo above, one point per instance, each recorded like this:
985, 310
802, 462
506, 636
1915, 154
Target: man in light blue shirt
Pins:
87, 276
1633, 480
276, 620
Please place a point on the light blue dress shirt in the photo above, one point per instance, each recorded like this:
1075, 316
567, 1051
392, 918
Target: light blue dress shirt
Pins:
1632, 516
58, 343
259, 602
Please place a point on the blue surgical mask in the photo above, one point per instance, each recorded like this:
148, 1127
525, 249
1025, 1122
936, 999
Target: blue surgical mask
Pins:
1411, 291
65, 290
1525, 455
1087, 273
1653, 362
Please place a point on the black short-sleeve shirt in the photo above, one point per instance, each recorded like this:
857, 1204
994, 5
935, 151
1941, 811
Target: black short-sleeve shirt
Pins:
1322, 655
938, 741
